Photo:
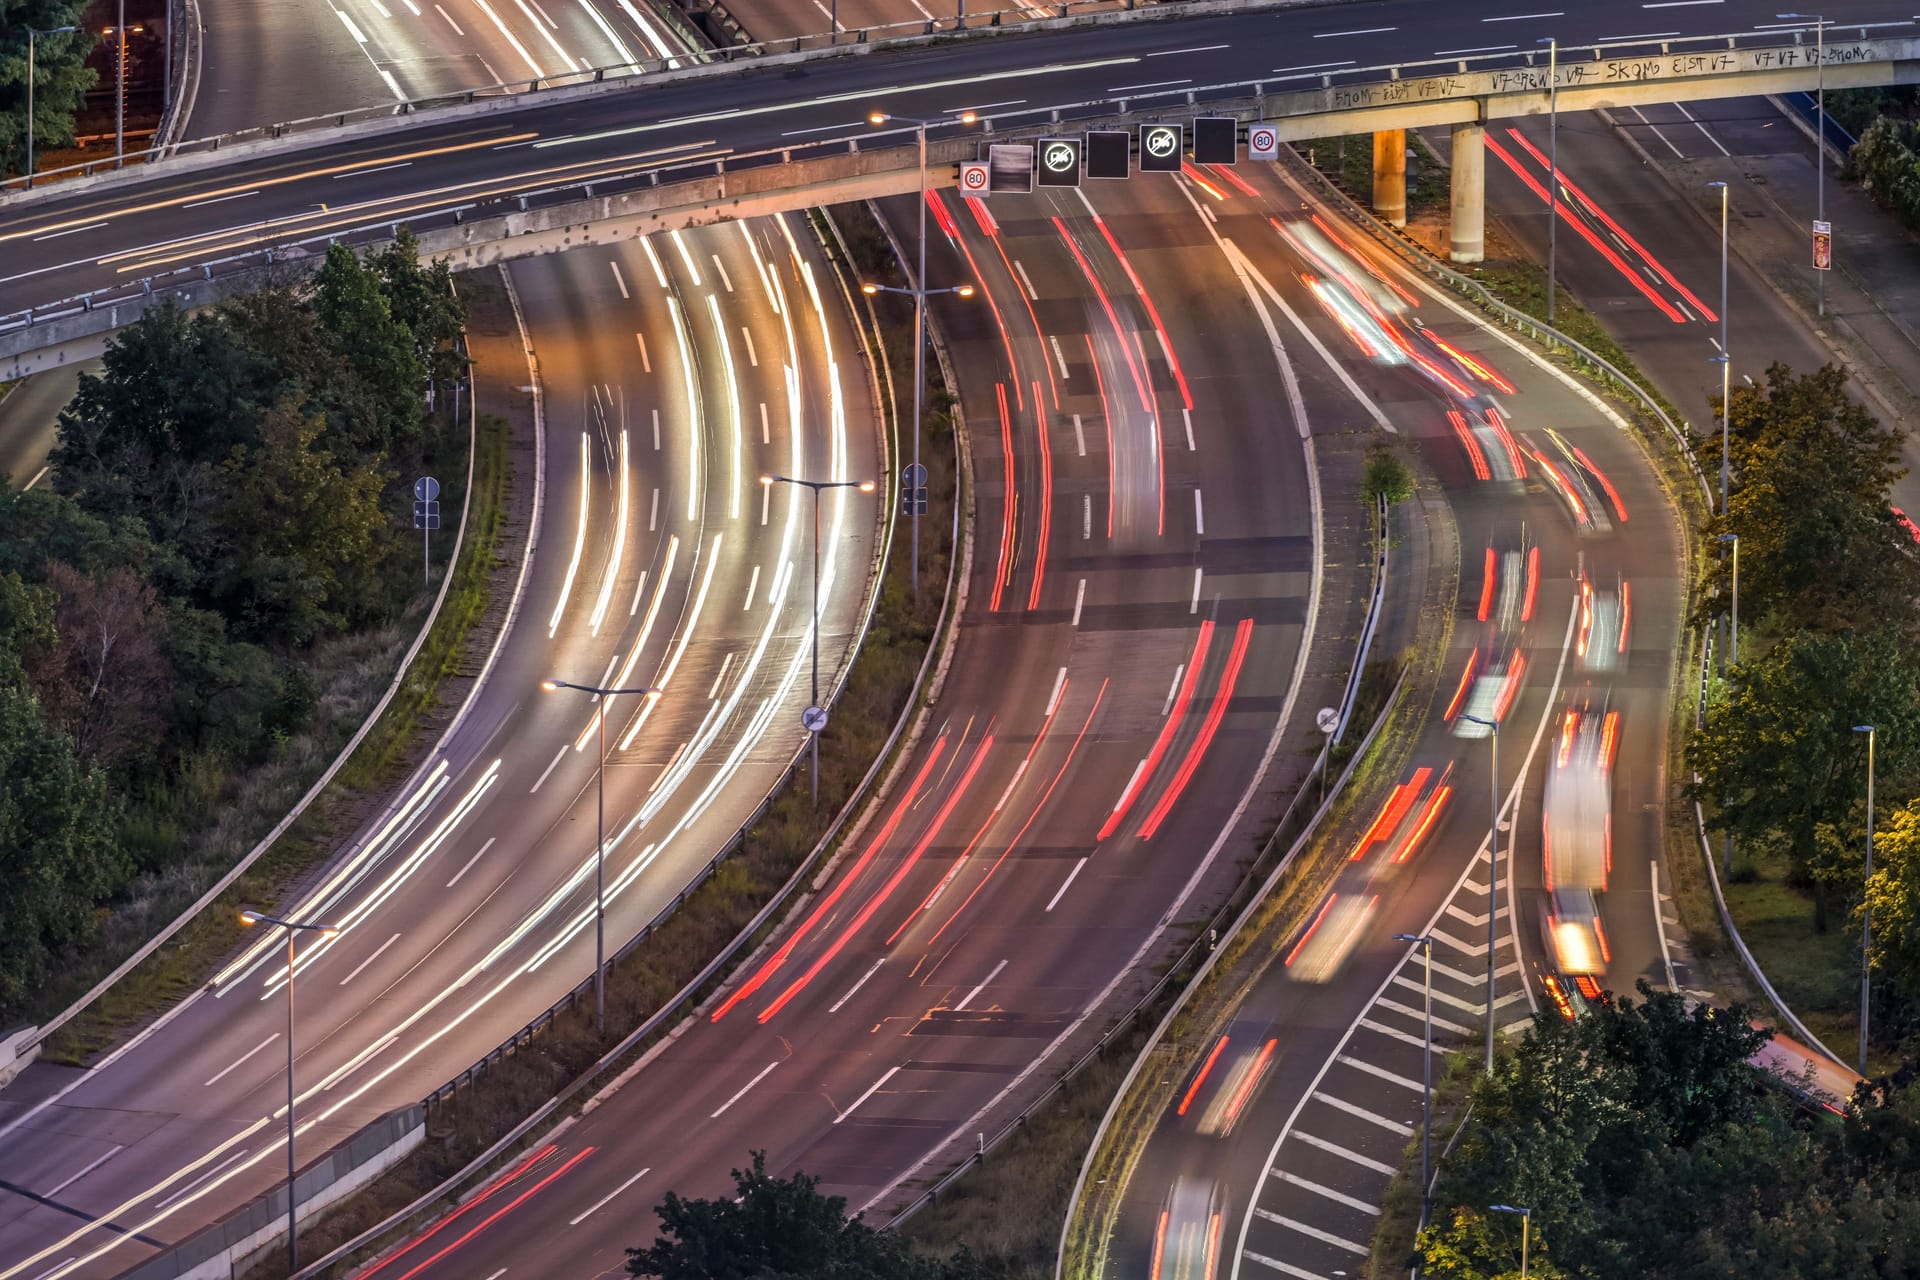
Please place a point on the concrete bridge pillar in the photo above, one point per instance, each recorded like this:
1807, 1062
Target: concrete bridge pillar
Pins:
1390, 175
1469, 212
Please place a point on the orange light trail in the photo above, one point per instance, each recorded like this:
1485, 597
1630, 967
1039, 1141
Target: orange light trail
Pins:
1626, 614
1248, 1082
1566, 490
1046, 501
1201, 1078
1308, 935
1613, 495
1511, 688
1436, 804
1486, 586
1226, 172
1153, 312
1194, 176
885, 891
826, 904
1159, 1244
1466, 678
1242, 638
1533, 583
1366, 263
491, 1218
1006, 340
1003, 572
1399, 800
1506, 442
1609, 738
1106, 304
1480, 370
1165, 736
1474, 455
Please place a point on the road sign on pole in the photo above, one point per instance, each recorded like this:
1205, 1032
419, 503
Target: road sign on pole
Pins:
426, 518
913, 490
973, 179
1823, 246
1263, 142
1108, 152
426, 489
1059, 162
1160, 147
1215, 139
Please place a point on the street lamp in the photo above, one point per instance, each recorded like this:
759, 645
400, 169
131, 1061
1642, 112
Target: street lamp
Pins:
1725, 358
1553, 168
1820, 142
600, 844
120, 29
1493, 871
1526, 1230
1734, 538
920, 292
814, 718
1866, 907
1425, 942
32, 38
250, 917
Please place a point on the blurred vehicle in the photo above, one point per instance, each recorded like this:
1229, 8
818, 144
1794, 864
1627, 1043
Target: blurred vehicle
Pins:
1187, 1245
1331, 938
1572, 997
1491, 449
1605, 613
1576, 839
1408, 816
1487, 689
1227, 1078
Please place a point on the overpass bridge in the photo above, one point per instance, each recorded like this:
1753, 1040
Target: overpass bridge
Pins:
502, 177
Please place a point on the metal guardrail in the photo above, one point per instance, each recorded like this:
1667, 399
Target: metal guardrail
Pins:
1383, 541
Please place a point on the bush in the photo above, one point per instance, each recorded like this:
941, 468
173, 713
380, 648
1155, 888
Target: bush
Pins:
1386, 476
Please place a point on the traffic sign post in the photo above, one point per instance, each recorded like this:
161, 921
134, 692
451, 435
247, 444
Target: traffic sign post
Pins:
1263, 142
913, 490
1823, 246
1060, 162
1215, 139
426, 518
1108, 153
1009, 168
1161, 146
973, 179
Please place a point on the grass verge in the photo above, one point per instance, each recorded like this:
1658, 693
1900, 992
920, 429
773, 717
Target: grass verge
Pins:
876, 695
1399, 1222
354, 672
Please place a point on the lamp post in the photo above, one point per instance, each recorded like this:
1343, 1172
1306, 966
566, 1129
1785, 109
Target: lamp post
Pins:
1493, 871
1866, 907
1725, 358
1820, 142
919, 292
1734, 538
32, 38
249, 917
1553, 169
1425, 942
600, 843
1526, 1230
815, 716
119, 30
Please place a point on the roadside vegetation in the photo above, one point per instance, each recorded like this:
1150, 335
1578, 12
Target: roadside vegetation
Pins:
1646, 1147
204, 594
1829, 640
60, 82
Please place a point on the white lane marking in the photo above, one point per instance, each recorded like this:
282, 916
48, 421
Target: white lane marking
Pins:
1655, 129
753, 357
762, 1075
653, 520
1059, 683
1315, 66
502, 1271
549, 769
1151, 84
1334, 1148
1340, 1104
1470, 948
646, 361
1021, 269
1638, 35
837, 26
369, 960
891, 1073
385, 168
766, 501
1284, 1268
1086, 516
1173, 688
1701, 125
1677, 4
1405, 1082
1079, 598
752, 582
1199, 515
856, 986
358, 35
713, 690
1061, 892
1362, 31
656, 424
222, 1073
1484, 48
1194, 605
1523, 17
450, 22
982, 987
183, 1192
98, 1161
639, 589
766, 432
1079, 437
1419, 1015
238, 195
1186, 416
70, 231
1660, 928
1059, 356
470, 861
1338, 1197
1200, 48
721, 267
38, 476
1315, 1233
602, 1202
1405, 1037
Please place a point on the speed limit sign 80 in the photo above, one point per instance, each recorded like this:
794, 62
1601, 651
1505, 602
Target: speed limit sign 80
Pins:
1263, 142
973, 178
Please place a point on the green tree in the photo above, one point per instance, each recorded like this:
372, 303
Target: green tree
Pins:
1386, 476
57, 853
1819, 547
421, 297
1782, 759
781, 1229
60, 77
384, 411
1893, 895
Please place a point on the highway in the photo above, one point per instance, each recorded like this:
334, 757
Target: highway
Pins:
1303, 1116
132, 226
659, 561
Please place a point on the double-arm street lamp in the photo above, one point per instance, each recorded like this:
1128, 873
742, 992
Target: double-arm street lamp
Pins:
1819, 22
33, 37
814, 718
920, 293
600, 843
250, 917
119, 32
1526, 1230
1866, 905
1553, 169
1425, 943
1493, 870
